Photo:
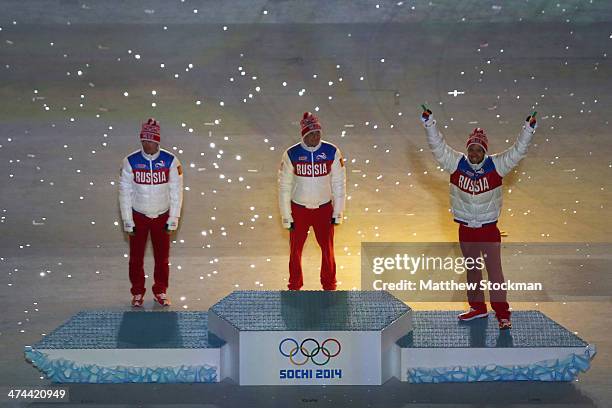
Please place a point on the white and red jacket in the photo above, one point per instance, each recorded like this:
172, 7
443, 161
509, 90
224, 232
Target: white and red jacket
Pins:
476, 189
312, 176
151, 185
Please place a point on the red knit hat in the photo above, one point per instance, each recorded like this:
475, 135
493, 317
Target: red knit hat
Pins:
150, 131
478, 137
309, 123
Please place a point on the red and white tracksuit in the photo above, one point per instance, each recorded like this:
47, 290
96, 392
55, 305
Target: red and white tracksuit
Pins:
150, 191
476, 201
312, 191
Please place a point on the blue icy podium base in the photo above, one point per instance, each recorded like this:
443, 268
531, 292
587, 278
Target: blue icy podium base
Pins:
64, 371
129, 347
443, 349
566, 369
178, 347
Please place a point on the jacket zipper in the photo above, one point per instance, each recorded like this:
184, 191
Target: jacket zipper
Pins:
473, 197
151, 170
312, 161
312, 164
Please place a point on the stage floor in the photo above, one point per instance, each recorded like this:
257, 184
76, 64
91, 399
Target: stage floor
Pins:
62, 250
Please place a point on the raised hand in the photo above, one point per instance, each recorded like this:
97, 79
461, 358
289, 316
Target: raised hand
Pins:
426, 113
531, 120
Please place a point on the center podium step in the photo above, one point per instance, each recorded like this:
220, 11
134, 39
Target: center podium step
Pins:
310, 337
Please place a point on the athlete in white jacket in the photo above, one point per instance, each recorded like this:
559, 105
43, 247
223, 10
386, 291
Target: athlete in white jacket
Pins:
150, 197
476, 201
312, 191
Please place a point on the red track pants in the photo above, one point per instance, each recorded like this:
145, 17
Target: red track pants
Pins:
161, 251
320, 220
485, 240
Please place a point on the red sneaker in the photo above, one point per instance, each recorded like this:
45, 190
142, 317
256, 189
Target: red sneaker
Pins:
162, 299
505, 324
472, 314
137, 300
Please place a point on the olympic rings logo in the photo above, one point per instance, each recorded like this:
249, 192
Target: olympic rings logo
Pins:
309, 349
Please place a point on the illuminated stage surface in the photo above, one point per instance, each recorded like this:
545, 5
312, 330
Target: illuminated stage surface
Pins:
365, 338
557, 57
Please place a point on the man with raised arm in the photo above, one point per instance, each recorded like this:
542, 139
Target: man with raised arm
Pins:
476, 201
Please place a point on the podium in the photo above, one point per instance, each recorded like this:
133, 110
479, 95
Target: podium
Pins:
307, 338
310, 337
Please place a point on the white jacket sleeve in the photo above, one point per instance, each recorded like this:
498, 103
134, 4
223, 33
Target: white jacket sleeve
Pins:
508, 159
175, 187
126, 181
338, 185
286, 183
446, 156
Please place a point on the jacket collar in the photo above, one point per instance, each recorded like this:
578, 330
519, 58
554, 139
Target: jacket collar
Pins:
478, 166
311, 149
150, 156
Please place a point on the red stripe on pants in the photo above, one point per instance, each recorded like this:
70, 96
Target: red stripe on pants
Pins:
320, 220
485, 240
161, 252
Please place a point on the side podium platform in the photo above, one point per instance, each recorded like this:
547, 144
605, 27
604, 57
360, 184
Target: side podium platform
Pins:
307, 338
123, 347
